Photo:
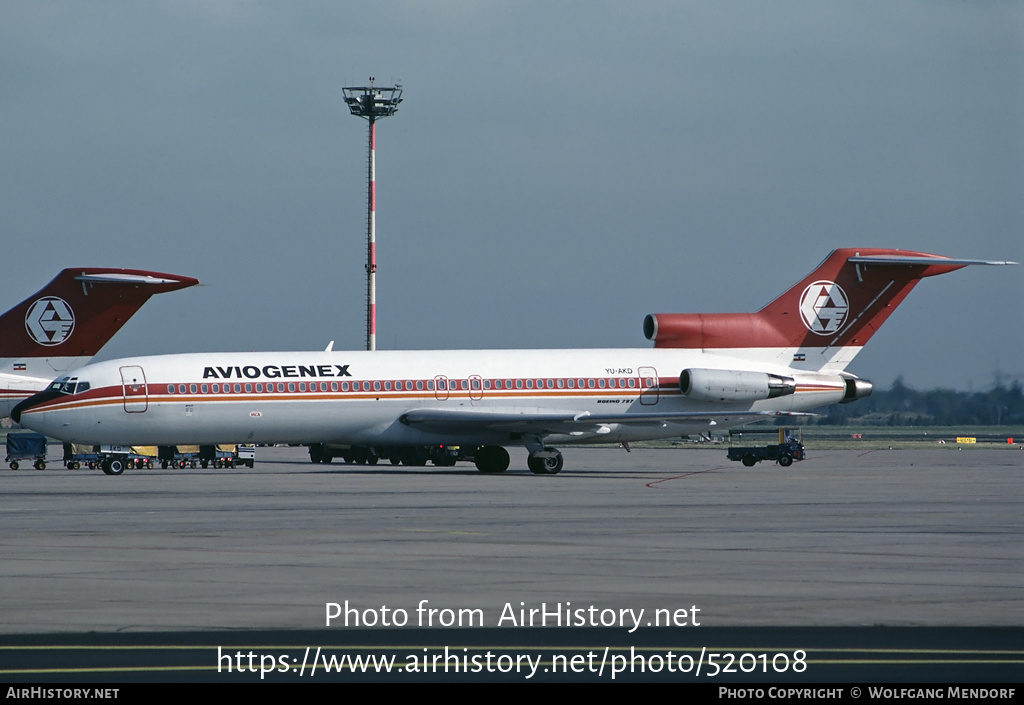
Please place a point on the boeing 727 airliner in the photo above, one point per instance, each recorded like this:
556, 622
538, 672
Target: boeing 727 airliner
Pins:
705, 370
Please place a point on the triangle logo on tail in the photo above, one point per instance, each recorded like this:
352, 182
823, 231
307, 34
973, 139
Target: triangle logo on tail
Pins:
50, 321
824, 307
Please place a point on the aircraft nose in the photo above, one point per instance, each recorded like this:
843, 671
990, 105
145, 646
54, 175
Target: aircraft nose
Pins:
33, 401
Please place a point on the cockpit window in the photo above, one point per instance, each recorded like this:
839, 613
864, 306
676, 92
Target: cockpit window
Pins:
68, 385
64, 385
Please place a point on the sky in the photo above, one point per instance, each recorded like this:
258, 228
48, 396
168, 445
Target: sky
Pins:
556, 171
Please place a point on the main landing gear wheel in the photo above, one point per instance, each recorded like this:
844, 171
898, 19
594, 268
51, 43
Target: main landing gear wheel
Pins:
492, 459
320, 453
113, 467
545, 463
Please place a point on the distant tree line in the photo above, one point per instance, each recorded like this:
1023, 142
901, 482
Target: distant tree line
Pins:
903, 406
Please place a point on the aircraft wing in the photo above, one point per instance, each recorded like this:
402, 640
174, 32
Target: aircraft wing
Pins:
544, 422
444, 421
648, 419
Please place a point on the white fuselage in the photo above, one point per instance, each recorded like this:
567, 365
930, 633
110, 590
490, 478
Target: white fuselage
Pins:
364, 397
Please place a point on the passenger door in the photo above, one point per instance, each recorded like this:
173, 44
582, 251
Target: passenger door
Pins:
648, 385
136, 393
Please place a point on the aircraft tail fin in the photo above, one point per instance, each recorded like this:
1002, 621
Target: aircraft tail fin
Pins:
820, 323
79, 311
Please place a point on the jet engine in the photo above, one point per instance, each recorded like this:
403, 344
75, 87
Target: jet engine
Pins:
856, 389
733, 385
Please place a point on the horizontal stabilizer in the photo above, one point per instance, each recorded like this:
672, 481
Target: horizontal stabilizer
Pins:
123, 277
929, 259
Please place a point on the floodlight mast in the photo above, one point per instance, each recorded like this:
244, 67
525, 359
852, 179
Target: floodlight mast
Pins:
370, 102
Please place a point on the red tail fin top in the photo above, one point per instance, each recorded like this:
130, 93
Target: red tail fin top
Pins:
80, 310
841, 303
